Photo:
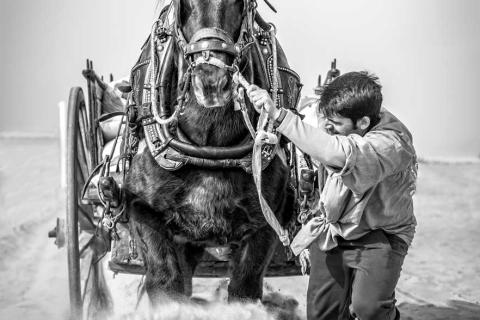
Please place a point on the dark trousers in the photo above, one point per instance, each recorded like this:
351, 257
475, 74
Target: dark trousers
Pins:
357, 279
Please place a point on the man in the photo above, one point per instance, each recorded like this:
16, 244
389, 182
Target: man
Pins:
364, 221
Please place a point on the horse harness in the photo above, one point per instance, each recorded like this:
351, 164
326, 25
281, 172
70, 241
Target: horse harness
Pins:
147, 104
151, 81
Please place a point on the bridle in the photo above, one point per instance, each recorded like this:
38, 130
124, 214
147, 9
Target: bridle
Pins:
206, 40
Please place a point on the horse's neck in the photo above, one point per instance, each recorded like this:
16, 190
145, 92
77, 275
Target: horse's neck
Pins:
222, 126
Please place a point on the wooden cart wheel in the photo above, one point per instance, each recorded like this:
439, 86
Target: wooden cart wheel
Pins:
86, 244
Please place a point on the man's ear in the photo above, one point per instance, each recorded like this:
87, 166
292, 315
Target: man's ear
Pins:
363, 123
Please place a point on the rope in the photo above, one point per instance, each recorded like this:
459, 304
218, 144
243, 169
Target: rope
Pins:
261, 138
257, 177
240, 99
270, 138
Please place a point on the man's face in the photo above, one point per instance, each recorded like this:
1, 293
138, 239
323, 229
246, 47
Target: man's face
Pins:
337, 124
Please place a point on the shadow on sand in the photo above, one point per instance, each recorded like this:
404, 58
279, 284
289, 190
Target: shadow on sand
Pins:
455, 310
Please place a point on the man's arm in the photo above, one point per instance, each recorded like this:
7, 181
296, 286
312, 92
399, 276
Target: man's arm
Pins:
362, 161
311, 140
314, 141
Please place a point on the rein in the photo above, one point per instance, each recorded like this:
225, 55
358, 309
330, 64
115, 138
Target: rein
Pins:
261, 138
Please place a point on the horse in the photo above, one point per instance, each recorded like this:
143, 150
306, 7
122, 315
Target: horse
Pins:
189, 185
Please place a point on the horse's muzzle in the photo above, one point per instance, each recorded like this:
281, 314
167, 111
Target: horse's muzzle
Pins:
212, 86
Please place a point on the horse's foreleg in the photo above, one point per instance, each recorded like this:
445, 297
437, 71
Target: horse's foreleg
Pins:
249, 265
163, 279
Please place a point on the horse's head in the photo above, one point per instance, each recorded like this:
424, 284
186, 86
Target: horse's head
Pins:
211, 30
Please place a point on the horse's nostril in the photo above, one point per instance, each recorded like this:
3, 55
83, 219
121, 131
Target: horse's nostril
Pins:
226, 87
224, 83
197, 83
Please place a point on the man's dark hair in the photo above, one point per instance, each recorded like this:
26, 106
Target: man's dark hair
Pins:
353, 95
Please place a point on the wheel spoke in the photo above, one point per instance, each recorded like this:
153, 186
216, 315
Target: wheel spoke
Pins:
82, 164
85, 244
99, 141
87, 215
85, 141
85, 249
86, 270
82, 174
90, 135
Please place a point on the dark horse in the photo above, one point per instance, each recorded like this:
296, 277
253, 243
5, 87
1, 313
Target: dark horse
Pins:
191, 188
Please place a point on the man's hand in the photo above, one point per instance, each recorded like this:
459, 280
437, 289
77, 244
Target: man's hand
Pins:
261, 99
304, 259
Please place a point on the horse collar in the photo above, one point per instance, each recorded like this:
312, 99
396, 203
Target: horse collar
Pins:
173, 151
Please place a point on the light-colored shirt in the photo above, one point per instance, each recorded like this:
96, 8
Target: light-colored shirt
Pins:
373, 190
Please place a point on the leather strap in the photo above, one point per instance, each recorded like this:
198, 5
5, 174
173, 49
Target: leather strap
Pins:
281, 117
212, 45
215, 33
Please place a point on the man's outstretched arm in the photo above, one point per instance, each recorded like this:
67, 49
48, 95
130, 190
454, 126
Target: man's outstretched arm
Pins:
313, 141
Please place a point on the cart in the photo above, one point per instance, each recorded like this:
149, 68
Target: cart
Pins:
87, 239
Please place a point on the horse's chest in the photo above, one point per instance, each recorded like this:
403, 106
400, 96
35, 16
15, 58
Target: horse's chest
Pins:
211, 195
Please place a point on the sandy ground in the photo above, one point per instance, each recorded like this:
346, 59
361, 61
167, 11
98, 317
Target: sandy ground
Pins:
440, 278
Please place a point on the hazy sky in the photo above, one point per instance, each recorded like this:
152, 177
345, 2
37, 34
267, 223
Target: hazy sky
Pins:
426, 54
